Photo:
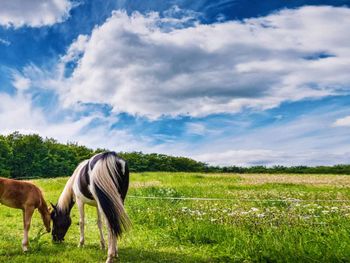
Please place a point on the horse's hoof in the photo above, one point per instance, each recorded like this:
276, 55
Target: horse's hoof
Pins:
25, 249
109, 260
81, 245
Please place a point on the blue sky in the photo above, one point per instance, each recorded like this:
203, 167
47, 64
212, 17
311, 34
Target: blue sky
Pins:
224, 82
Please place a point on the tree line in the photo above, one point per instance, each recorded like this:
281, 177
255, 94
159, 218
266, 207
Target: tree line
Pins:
30, 156
23, 156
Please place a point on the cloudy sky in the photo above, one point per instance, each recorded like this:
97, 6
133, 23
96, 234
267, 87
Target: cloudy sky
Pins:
227, 82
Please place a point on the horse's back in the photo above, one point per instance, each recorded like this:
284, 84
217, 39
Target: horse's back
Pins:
19, 194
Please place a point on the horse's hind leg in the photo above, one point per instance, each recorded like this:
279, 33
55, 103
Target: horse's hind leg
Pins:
99, 224
112, 249
27, 217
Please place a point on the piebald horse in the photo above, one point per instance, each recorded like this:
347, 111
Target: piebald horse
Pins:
28, 197
100, 181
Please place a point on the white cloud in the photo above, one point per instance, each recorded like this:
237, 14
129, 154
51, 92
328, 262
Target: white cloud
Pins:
141, 65
5, 42
266, 157
196, 128
33, 13
17, 113
307, 140
20, 82
243, 157
342, 122
76, 49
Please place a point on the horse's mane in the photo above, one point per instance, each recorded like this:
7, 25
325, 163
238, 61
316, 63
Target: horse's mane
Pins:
66, 198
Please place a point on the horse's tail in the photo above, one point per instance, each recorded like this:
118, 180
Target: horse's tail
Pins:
109, 183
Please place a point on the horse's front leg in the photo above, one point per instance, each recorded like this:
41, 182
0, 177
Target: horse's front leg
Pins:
81, 222
27, 217
100, 225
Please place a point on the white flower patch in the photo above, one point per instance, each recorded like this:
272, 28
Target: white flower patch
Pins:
334, 209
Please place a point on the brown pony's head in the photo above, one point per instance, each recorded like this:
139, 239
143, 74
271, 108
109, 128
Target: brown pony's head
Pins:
61, 222
45, 215
47, 219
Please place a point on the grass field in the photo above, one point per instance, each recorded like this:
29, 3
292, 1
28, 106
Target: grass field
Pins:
269, 219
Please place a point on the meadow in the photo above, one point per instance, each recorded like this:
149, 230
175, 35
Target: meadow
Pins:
250, 218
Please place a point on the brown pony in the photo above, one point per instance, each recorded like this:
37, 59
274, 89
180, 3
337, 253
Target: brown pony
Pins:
25, 196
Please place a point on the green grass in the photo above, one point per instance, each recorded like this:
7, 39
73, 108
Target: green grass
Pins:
239, 230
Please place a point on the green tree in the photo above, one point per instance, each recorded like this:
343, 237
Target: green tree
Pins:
5, 157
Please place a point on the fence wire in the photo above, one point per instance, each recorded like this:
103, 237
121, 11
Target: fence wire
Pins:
221, 199
236, 199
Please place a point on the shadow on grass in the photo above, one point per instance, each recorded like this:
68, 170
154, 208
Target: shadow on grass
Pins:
58, 253
140, 255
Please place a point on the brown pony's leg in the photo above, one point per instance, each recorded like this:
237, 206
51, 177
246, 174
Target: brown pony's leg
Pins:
27, 217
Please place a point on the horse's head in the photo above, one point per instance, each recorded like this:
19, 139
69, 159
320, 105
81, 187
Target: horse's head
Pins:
61, 222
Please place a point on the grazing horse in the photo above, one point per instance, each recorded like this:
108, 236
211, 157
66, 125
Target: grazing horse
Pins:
25, 196
101, 181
